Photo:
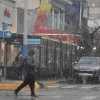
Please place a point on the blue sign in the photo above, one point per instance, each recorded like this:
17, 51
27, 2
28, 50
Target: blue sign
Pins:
24, 50
33, 41
5, 34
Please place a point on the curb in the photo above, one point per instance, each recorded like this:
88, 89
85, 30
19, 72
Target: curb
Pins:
13, 85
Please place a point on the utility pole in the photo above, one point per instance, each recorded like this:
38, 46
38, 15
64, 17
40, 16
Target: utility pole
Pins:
80, 17
25, 28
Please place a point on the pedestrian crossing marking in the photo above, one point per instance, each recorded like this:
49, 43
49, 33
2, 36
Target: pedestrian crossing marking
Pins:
56, 96
53, 86
87, 87
79, 87
89, 98
69, 87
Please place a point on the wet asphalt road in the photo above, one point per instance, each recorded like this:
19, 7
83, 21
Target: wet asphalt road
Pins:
62, 92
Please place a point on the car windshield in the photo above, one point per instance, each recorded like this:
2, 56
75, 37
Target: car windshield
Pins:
88, 61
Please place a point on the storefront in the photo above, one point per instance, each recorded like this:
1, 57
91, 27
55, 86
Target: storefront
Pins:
56, 54
8, 46
7, 28
58, 45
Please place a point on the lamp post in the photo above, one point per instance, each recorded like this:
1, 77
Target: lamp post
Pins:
28, 5
80, 16
25, 28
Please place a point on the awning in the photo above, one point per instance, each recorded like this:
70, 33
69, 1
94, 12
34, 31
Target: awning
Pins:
64, 38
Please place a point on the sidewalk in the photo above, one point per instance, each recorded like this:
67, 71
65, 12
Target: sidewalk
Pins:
11, 85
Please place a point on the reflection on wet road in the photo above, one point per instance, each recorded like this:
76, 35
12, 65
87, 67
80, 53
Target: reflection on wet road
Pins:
63, 92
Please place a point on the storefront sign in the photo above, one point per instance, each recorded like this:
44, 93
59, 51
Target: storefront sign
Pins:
33, 41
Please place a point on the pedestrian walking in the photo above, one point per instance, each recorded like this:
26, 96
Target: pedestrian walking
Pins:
28, 67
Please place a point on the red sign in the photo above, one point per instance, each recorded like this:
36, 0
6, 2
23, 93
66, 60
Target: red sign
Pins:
42, 30
7, 13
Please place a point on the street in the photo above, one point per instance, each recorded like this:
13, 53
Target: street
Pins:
59, 92
51, 45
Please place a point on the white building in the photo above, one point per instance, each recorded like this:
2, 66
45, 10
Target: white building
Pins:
31, 6
7, 15
94, 13
8, 22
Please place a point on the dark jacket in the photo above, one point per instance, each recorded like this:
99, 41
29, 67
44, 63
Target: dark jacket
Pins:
28, 67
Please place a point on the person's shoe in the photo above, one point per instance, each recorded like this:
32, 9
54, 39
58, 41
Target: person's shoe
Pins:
15, 92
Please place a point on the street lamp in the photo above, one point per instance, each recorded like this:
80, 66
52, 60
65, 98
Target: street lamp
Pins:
80, 17
28, 5
25, 28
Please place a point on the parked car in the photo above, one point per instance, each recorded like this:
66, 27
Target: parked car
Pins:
88, 67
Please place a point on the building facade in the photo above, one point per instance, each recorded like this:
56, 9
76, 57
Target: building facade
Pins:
58, 45
8, 25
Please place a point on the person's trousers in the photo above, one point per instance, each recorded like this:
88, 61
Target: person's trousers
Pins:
31, 85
